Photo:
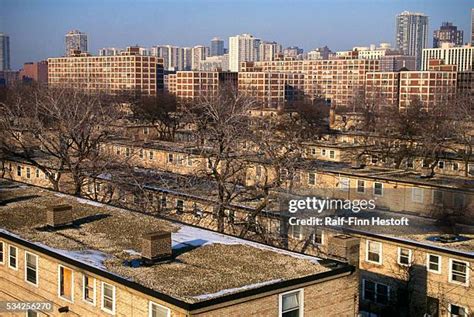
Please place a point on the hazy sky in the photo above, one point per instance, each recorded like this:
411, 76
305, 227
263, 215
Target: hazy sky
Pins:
37, 27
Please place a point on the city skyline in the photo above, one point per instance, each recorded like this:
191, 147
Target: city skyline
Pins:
207, 20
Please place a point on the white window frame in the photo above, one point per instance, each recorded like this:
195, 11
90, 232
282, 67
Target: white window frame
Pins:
463, 307
4, 250
300, 297
323, 152
313, 183
313, 237
114, 299
16, 258
332, 154
417, 198
344, 184
36, 270
455, 166
151, 155
428, 263
72, 284
441, 163
381, 192
451, 272
93, 303
410, 256
150, 305
367, 252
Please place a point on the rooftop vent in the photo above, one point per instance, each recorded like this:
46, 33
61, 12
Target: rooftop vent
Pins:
425, 172
448, 238
356, 164
59, 216
156, 246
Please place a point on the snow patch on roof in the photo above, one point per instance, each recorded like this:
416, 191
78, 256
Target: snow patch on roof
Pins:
234, 290
191, 236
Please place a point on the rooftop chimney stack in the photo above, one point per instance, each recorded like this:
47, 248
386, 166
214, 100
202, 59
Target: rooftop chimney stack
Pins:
156, 246
59, 216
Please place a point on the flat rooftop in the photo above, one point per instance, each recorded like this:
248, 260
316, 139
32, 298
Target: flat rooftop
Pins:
205, 264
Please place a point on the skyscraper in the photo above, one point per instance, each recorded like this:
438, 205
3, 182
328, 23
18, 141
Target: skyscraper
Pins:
242, 48
4, 52
199, 53
268, 51
217, 47
75, 41
447, 33
412, 34
472, 26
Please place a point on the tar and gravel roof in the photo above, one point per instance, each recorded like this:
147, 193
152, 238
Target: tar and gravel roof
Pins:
207, 264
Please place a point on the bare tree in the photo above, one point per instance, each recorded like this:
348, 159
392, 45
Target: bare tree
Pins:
221, 130
160, 112
58, 131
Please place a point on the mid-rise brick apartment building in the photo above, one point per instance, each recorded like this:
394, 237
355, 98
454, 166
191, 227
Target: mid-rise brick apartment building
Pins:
74, 255
270, 88
129, 71
435, 85
188, 85
337, 80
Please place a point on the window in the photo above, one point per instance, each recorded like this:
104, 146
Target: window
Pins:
434, 263
37, 171
441, 164
158, 310
31, 268
295, 231
18, 170
375, 292
190, 160
151, 155
179, 206
360, 186
317, 236
378, 189
332, 154
66, 284
2, 252
409, 163
141, 153
108, 298
12, 257
31, 313
28, 172
291, 304
458, 272
457, 311
313, 151
323, 152
373, 252
344, 184
163, 202
417, 195
374, 159
127, 152
455, 166
404, 256
88, 289
312, 178
170, 158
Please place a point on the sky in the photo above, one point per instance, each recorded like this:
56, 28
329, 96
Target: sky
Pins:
37, 27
